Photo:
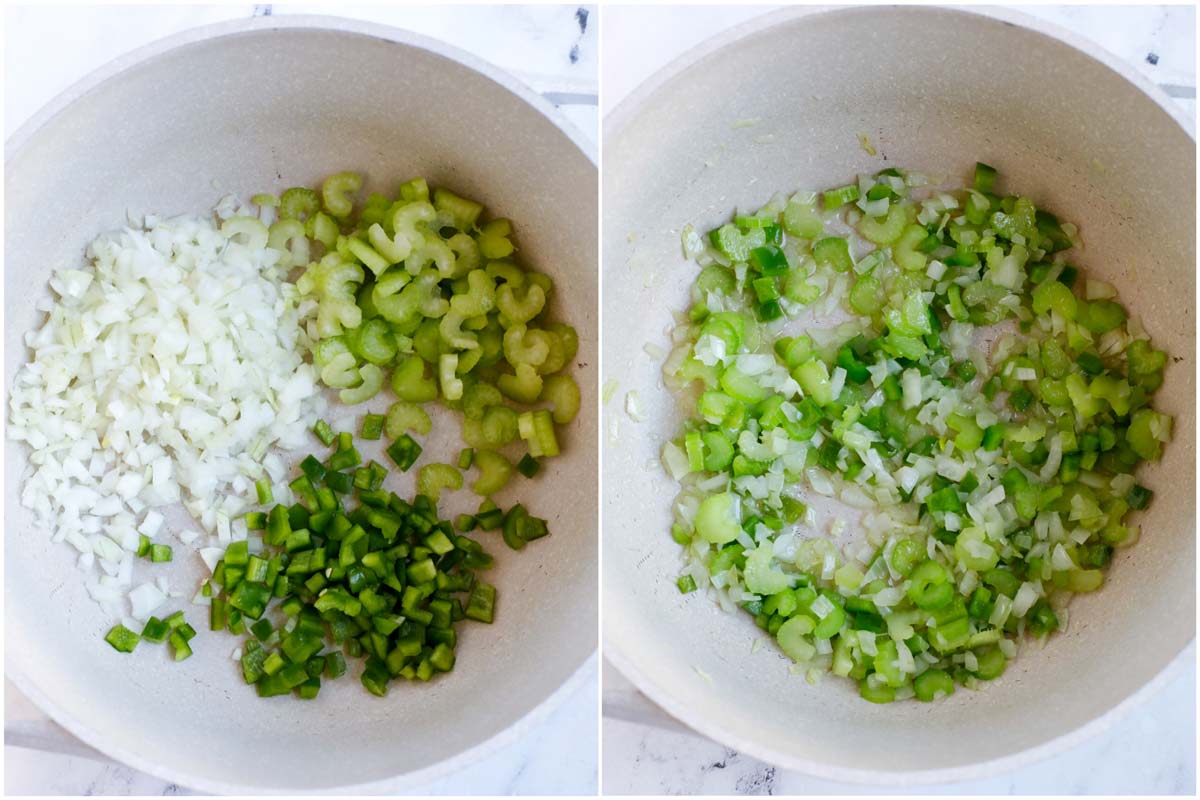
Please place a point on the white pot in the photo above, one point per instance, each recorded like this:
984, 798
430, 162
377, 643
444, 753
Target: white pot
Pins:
260, 106
934, 90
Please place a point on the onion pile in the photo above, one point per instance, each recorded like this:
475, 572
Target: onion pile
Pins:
165, 370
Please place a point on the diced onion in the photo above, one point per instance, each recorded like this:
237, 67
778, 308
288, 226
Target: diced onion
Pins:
160, 364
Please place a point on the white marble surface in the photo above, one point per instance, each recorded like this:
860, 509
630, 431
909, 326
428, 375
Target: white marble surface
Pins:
650, 37
552, 48
1152, 750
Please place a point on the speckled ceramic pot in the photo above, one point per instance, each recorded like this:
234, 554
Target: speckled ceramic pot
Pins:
933, 90
260, 106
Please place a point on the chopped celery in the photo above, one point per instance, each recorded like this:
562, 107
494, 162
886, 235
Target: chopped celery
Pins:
335, 193
494, 472
403, 417
562, 392
433, 478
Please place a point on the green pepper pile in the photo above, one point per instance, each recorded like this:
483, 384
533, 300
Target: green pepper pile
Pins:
382, 581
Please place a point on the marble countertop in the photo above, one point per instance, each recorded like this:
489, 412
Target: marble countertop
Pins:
554, 49
1151, 750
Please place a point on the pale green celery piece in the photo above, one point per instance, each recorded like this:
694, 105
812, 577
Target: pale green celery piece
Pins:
761, 577
404, 344
265, 200
491, 342
299, 203
427, 341
288, 237
719, 518
468, 360
526, 346
563, 393
792, 638
336, 191
904, 251
813, 377
537, 429
373, 341
740, 386
434, 478
459, 211
1085, 580
556, 358
430, 301
889, 229
255, 233
541, 280
479, 299
1141, 434
1055, 296
848, 577
867, 295
368, 256
386, 296
341, 371
322, 228
973, 551
408, 223
1116, 392
414, 190
802, 220
412, 382
342, 247
372, 382
466, 253
451, 331
885, 663
436, 253
403, 417
452, 386
333, 281
1086, 404
499, 426
472, 434
506, 271
478, 323
843, 662
569, 340
408, 305
797, 288
517, 306
494, 472
494, 239
525, 386
325, 350
478, 397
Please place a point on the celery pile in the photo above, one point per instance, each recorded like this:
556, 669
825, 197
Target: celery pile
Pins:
418, 285
978, 404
